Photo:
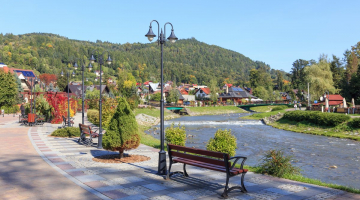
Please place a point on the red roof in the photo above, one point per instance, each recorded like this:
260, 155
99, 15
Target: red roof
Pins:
229, 85
335, 97
206, 90
184, 92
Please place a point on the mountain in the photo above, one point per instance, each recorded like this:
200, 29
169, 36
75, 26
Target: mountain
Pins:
187, 60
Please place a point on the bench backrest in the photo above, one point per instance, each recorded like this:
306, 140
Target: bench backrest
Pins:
212, 157
85, 129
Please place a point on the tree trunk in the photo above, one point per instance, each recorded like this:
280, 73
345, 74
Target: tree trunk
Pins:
121, 152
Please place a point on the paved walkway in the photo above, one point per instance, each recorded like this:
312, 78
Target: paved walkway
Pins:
60, 168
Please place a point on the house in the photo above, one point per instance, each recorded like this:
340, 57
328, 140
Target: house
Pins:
236, 94
285, 96
202, 93
97, 73
153, 87
25, 76
76, 89
334, 100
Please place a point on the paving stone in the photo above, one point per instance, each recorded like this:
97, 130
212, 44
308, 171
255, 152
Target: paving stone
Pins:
181, 195
326, 195
114, 194
65, 166
278, 190
108, 188
135, 197
155, 187
135, 190
163, 197
88, 178
95, 184
76, 173
264, 194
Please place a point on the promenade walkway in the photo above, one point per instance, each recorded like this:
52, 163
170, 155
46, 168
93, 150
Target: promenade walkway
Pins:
34, 165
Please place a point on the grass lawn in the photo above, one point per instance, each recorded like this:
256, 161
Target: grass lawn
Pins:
214, 110
340, 131
154, 112
262, 108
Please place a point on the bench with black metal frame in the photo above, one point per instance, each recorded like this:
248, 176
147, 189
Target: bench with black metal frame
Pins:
86, 130
65, 121
39, 120
209, 160
23, 119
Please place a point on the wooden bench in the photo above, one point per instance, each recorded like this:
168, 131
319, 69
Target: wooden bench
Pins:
209, 160
65, 122
86, 130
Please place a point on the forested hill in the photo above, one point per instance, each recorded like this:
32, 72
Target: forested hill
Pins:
187, 60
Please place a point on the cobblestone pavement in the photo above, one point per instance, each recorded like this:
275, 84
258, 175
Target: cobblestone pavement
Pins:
140, 181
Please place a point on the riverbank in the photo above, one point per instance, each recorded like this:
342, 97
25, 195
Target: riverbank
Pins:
211, 110
340, 131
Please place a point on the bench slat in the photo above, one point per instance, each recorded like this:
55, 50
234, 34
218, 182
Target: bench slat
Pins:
199, 158
197, 151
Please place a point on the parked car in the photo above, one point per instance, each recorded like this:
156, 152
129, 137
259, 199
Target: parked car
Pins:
186, 103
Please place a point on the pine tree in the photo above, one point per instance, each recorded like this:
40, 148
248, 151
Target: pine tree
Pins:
8, 89
122, 133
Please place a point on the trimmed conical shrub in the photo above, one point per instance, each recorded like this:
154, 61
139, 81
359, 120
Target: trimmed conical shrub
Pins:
122, 133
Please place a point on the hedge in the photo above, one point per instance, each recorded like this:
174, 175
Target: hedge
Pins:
355, 123
316, 117
93, 116
67, 132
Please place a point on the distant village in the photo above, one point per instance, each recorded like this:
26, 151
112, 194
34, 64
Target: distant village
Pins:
188, 94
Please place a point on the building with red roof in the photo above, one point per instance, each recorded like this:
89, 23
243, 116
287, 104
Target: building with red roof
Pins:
202, 93
334, 100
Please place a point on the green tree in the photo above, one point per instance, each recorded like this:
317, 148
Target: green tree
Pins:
122, 133
214, 90
320, 78
156, 97
173, 96
337, 71
297, 73
61, 82
8, 89
279, 80
261, 92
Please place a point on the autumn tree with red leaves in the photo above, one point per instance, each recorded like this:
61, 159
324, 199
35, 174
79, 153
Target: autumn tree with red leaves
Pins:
47, 78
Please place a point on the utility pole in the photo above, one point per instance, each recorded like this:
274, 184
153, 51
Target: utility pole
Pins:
309, 96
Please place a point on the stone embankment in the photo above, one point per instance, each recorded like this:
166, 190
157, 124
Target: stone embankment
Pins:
147, 120
272, 118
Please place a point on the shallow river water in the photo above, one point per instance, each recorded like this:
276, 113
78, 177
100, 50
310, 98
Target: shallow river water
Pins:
313, 154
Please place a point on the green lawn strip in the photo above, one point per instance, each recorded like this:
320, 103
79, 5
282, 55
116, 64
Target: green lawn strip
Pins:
262, 108
211, 110
303, 179
340, 131
258, 116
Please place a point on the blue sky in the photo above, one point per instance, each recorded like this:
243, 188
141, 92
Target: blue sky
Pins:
275, 32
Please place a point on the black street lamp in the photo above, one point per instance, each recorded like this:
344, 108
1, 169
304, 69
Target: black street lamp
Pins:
68, 78
32, 94
82, 88
161, 40
101, 62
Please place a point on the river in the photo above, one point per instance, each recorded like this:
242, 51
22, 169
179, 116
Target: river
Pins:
313, 154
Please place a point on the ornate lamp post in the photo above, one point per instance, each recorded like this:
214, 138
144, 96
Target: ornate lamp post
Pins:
101, 62
327, 97
161, 40
68, 78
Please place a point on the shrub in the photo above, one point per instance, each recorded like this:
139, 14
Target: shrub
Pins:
355, 123
223, 142
93, 116
316, 117
122, 133
276, 164
67, 132
279, 108
175, 135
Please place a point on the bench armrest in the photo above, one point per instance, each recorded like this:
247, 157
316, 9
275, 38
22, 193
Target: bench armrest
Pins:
237, 158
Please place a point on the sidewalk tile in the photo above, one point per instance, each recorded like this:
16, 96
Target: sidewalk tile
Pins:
135, 197
95, 184
89, 178
115, 194
155, 187
108, 188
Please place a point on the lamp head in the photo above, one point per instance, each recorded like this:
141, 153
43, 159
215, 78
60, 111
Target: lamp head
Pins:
172, 37
108, 61
92, 59
75, 66
90, 67
73, 74
62, 73
150, 35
